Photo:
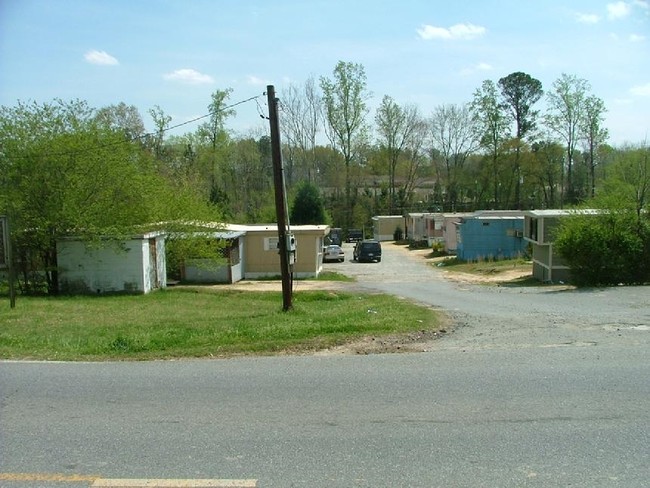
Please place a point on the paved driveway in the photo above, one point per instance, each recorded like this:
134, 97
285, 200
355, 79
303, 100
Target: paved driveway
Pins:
488, 316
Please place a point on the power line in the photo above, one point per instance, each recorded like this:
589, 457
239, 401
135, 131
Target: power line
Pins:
148, 134
203, 116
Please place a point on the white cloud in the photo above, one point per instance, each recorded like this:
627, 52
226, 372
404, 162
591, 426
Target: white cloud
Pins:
636, 38
100, 57
477, 68
618, 10
587, 18
458, 31
254, 80
641, 90
189, 76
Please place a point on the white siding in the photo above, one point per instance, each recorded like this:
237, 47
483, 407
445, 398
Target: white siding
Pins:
109, 268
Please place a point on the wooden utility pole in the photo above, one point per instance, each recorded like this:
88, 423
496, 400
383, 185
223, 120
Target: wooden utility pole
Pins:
6, 259
280, 201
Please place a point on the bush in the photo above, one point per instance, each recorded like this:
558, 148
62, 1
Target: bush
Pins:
398, 234
420, 244
606, 249
438, 249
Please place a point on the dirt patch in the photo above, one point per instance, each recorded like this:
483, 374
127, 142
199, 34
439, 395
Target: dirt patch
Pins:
276, 285
420, 341
495, 278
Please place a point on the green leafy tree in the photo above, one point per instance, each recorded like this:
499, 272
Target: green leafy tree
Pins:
248, 178
161, 122
64, 172
121, 117
493, 123
307, 207
214, 140
520, 92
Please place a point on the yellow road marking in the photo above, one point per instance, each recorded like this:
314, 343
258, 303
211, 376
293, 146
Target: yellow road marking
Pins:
98, 482
166, 483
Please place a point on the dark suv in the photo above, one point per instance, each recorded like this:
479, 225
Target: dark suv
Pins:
367, 250
355, 235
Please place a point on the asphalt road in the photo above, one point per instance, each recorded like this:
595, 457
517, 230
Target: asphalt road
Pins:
533, 388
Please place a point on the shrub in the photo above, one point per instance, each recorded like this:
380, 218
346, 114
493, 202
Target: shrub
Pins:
438, 249
606, 249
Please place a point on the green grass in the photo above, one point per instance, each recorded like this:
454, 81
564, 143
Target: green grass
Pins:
333, 276
198, 322
485, 267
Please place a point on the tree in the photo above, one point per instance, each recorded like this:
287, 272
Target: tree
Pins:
121, 117
308, 206
213, 133
493, 123
564, 117
547, 170
520, 92
161, 122
630, 179
301, 116
65, 173
455, 135
246, 178
344, 101
400, 129
594, 134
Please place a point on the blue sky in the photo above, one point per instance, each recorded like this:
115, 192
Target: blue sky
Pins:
175, 53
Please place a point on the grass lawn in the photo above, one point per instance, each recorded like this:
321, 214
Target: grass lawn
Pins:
198, 322
485, 267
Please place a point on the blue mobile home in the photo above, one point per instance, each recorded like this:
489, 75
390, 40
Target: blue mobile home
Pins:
484, 236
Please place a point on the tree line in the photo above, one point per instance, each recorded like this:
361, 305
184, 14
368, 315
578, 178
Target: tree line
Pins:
69, 168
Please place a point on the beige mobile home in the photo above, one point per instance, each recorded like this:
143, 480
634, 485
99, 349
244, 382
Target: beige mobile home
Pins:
261, 257
384, 226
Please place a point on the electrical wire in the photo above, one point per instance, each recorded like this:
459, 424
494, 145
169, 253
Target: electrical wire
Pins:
147, 134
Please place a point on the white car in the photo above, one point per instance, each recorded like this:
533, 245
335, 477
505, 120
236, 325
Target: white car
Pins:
334, 253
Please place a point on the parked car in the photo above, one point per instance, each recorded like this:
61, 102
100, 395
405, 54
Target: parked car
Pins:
334, 253
355, 235
367, 250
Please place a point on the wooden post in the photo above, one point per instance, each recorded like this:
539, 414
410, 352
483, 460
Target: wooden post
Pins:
280, 205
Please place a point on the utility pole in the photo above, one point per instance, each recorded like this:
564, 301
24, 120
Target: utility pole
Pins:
6, 258
280, 201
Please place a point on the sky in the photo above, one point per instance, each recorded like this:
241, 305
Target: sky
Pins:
175, 53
